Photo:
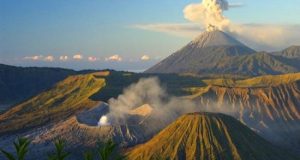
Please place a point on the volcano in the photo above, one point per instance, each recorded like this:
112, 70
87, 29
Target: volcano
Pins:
216, 52
207, 136
203, 52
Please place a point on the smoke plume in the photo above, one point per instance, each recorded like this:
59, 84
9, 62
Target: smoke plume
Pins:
164, 106
209, 13
148, 91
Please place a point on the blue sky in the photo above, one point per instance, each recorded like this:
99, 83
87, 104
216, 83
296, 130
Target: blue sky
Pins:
102, 28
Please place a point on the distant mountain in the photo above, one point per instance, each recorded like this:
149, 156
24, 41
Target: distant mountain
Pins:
291, 52
207, 136
269, 105
254, 65
20, 83
216, 52
203, 52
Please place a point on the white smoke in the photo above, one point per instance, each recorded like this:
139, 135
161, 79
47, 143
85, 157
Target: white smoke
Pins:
164, 107
209, 13
103, 121
148, 91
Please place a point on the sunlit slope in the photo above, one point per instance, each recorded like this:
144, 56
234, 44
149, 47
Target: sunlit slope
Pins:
261, 81
207, 136
20, 83
269, 104
63, 100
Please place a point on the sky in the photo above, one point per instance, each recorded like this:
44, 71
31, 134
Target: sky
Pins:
128, 35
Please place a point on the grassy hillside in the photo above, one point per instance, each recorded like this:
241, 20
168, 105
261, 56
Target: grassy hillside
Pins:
63, 100
207, 136
173, 83
20, 83
262, 81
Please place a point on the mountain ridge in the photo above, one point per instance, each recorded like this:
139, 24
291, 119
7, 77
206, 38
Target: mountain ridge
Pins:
215, 38
207, 136
271, 109
64, 99
217, 52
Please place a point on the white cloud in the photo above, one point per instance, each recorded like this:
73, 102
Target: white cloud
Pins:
34, 58
269, 37
49, 58
208, 15
63, 58
257, 36
114, 58
77, 57
92, 59
178, 29
145, 58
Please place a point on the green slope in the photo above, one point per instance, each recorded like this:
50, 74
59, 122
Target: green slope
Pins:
261, 81
63, 100
207, 136
20, 83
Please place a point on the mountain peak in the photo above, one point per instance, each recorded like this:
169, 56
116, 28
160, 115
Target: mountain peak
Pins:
207, 136
215, 38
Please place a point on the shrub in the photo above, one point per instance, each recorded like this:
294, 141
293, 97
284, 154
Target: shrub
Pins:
21, 146
59, 154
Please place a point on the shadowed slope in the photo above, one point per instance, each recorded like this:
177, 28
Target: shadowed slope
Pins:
207, 136
218, 53
202, 53
64, 99
254, 65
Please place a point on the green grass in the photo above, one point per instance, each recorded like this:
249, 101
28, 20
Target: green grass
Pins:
262, 81
63, 100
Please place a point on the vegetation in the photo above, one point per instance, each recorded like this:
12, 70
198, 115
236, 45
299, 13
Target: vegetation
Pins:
21, 146
63, 100
117, 81
88, 155
19, 83
105, 151
60, 154
261, 81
